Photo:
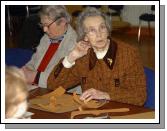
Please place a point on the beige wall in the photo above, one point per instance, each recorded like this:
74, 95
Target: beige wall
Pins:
130, 13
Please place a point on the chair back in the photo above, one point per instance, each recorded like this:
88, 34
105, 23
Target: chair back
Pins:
150, 84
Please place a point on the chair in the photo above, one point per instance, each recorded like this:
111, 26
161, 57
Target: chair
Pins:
117, 10
17, 56
114, 14
150, 84
32, 9
148, 18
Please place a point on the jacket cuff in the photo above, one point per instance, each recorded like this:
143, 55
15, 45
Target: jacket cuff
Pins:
67, 64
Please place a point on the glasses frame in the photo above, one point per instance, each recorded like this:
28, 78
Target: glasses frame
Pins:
48, 26
88, 32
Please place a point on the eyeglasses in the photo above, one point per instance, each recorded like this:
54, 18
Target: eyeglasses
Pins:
93, 31
48, 26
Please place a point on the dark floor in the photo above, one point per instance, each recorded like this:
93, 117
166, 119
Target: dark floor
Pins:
146, 46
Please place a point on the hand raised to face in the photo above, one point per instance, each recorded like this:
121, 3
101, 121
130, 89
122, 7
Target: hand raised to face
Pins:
79, 50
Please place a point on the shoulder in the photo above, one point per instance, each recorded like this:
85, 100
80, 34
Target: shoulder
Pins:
124, 47
44, 40
71, 32
43, 45
70, 38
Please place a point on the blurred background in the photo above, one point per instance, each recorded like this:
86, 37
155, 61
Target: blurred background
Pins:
133, 24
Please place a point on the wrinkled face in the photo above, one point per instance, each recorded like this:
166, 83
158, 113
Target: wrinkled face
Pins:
96, 31
52, 28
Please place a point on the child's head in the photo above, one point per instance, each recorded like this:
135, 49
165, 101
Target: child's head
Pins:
15, 93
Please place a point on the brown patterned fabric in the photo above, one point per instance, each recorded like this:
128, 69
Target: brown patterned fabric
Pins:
120, 73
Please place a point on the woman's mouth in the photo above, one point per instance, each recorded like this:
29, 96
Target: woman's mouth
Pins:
99, 41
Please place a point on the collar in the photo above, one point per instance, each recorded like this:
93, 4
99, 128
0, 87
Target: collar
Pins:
58, 39
109, 58
101, 54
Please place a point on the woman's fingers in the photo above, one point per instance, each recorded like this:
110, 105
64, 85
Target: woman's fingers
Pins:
84, 45
87, 94
94, 94
88, 99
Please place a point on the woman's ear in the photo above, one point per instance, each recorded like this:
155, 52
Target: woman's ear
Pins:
62, 21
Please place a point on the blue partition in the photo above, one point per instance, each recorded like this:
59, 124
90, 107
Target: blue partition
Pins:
17, 56
150, 83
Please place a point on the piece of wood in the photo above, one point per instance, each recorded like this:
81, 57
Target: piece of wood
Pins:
145, 115
97, 112
61, 104
51, 106
58, 92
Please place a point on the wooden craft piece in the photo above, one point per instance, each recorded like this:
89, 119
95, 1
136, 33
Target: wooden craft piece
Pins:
58, 102
97, 112
64, 103
58, 92
51, 106
89, 104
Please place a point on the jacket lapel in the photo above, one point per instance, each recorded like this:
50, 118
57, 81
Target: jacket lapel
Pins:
109, 58
92, 59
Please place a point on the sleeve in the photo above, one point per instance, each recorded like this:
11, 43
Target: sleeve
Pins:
133, 83
32, 64
65, 77
35, 59
67, 64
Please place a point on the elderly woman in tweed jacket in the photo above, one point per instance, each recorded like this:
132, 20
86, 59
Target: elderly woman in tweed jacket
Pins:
105, 68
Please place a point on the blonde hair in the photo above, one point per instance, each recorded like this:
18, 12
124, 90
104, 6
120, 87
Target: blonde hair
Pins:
15, 90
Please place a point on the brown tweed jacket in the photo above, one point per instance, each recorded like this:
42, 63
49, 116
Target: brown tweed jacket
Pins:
120, 73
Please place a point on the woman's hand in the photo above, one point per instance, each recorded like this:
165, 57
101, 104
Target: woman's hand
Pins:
29, 74
79, 50
94, 94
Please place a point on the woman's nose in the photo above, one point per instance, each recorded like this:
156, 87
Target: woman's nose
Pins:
98, 34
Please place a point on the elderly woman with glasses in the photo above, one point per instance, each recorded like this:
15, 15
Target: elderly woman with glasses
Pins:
57, 42
105, 68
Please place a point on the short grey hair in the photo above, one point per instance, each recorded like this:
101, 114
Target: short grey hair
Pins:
90, 11
55, 11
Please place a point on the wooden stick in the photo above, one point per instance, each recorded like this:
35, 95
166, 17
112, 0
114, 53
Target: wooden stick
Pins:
97, 112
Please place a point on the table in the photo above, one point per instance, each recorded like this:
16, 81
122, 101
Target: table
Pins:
135, 112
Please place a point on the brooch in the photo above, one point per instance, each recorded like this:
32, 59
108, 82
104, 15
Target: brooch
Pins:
109, 61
